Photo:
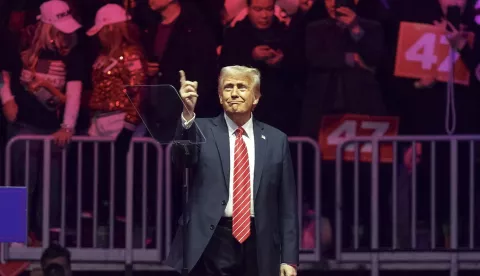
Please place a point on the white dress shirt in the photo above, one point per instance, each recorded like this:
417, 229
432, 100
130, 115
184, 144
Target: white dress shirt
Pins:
249, 139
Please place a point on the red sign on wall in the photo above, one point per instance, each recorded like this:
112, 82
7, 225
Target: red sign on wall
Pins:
336, 129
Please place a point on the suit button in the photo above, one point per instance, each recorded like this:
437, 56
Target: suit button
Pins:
160, 74
224, 202
212, 227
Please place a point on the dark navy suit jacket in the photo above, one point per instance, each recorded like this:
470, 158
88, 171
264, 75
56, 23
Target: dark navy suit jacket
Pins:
275, 195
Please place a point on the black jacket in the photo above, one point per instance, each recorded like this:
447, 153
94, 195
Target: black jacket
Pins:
191, 47
333, 86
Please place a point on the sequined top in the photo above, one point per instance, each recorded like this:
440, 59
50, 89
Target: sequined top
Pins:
114, 79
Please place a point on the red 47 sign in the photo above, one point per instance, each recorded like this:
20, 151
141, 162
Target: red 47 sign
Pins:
424, 51
336, 129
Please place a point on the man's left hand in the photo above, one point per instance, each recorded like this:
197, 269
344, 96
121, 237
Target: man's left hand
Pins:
287, 270
347, 17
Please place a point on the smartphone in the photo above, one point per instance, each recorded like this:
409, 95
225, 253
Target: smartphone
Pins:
454, 16
344, 3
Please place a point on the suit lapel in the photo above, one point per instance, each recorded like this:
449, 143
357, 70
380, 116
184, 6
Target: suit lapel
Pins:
220, 132
260, 150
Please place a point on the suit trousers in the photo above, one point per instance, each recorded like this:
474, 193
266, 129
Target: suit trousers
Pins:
225, 256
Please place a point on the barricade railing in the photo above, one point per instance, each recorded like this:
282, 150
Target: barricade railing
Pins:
302, 145
417, 236
91, 237
422, 211
40, 151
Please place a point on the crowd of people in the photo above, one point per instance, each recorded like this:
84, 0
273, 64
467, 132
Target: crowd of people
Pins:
81, 67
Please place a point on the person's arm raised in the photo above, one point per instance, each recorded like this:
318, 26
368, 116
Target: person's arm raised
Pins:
189, 95
185, 131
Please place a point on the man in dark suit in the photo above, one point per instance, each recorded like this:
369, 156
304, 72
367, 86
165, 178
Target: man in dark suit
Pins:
242, 212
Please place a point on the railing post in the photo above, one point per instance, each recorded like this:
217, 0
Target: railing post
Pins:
160, 202
300, 210
318, 205
374, 208
129, 213
454, 205
47, 154
338, 201
167, 197
317, 255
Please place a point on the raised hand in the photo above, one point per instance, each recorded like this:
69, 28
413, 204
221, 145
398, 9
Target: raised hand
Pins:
456, 38
188, 93
347, 17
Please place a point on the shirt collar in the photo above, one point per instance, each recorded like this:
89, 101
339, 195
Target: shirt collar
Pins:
232, 127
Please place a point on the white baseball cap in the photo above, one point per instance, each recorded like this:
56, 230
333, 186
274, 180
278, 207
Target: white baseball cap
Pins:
57, 13
106, 15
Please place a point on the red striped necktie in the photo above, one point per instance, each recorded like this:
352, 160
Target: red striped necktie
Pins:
241, 189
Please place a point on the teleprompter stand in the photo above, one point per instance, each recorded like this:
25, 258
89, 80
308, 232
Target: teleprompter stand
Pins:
185, 153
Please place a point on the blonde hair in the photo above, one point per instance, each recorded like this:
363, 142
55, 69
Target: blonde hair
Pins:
46, 38
115, 36
252, 74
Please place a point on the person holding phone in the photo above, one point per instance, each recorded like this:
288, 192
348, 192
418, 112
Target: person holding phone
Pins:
262, 41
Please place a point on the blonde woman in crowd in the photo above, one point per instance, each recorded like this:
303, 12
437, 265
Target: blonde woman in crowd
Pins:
117, 73
43, 98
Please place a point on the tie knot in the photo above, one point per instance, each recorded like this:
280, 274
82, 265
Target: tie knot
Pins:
239, 132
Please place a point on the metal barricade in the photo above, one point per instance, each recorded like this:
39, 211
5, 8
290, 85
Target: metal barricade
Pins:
113, 257
102, 246
306, 255
424, 181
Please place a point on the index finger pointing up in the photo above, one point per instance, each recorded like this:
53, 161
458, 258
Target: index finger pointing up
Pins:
182, 77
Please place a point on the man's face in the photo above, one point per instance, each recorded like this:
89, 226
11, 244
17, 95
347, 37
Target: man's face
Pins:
158, 5
261, 13
237, 96
330, 6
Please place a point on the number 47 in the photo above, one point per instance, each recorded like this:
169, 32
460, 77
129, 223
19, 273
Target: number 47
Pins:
423, 51
348, 129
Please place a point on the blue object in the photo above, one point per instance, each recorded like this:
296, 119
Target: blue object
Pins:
13, 214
